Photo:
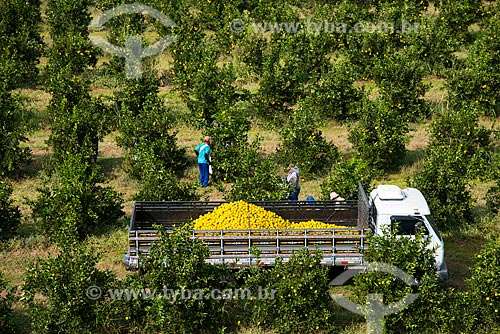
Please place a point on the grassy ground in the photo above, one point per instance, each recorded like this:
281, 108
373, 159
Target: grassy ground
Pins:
19, 253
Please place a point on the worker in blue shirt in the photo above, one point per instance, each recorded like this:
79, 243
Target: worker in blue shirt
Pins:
203, 153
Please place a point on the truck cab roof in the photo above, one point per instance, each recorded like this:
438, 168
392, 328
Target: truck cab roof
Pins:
392, 200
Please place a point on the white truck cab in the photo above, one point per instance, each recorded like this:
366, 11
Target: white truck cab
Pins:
408, 207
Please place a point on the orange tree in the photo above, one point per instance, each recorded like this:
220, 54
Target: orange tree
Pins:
303, 144
274, 46
205, 86
6, 302
177, 263
344, 176
290, 297
145, 126
344, 15
77, 120
212, 90
73, 201
399, 78
259, 183
335, 96
20, 49
431, 312
433, 46
217, 17
251, 54
20, 40
67, 283
375, 29
232, 156
477, 80
200, 70
162, 184
459, 151
292, 65
10, 216
15, 124
493, 196
119, 27
483, 298
380, 135
458, 17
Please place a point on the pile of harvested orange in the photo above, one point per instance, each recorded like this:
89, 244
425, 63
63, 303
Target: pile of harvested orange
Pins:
313, 224
239, 216
243, 216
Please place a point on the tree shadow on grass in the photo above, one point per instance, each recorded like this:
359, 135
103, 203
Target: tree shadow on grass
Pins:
33, 168
459, 251
414, 156
105, 229
463, 243
109, 165
21, 318
28, 228
344, 320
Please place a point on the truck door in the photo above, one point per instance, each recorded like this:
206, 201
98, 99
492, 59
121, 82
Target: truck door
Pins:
409, 225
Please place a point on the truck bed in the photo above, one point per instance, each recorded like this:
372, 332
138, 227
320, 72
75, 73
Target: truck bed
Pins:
340, 246
171, 214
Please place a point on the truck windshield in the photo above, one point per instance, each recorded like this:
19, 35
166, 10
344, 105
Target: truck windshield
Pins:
430, 219
408, 225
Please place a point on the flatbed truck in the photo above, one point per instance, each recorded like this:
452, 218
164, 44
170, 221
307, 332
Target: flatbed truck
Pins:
341, 246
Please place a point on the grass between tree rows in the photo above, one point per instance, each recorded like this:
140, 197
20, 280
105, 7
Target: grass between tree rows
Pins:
19, 253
